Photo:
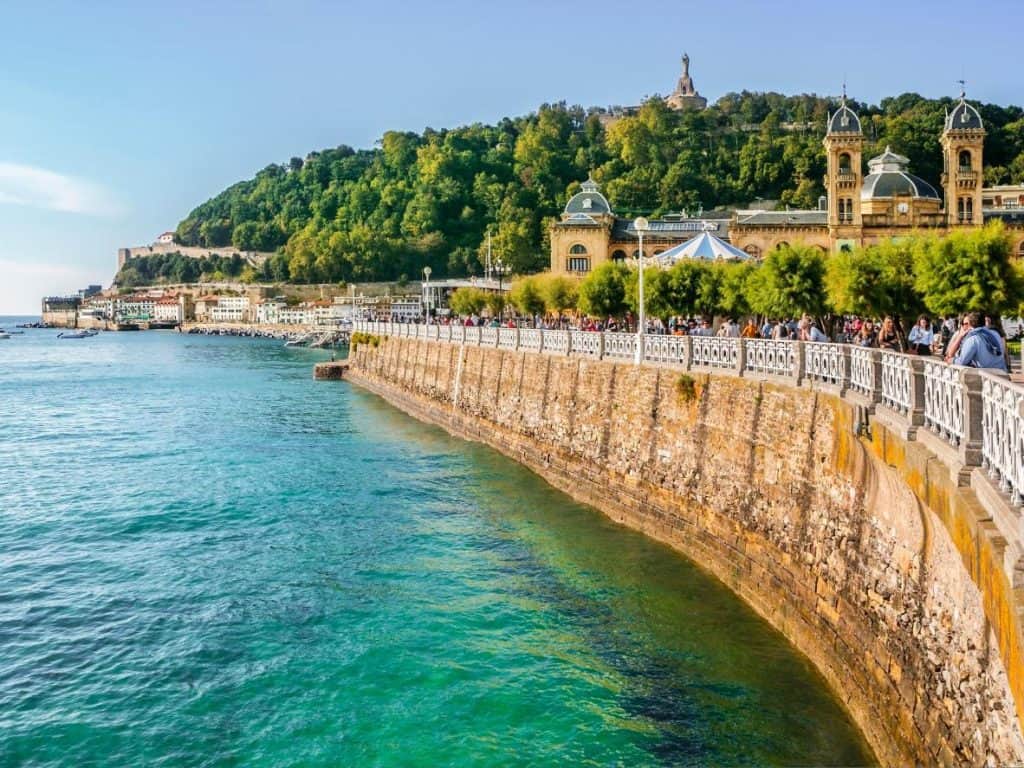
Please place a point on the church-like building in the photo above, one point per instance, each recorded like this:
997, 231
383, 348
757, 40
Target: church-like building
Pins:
857, 209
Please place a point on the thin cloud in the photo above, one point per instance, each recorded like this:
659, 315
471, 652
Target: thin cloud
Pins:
40, 188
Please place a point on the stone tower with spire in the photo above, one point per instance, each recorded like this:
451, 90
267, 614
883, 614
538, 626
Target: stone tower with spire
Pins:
685, 95
963, 140
844, 143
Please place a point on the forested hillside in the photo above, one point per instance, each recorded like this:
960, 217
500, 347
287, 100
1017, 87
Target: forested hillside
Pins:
429, 198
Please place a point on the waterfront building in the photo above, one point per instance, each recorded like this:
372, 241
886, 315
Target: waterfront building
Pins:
230, 309
858, 209
165, 238
268, 311
138, 306
204, 304
169, 309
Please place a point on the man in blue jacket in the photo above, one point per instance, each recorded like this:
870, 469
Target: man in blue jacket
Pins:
981, 347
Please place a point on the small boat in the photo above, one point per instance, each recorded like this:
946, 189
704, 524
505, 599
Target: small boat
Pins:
4, 335
76, 335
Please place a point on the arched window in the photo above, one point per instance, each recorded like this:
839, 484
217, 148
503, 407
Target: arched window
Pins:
961, 208
579, 264
659, 251
619, 255
970, 209
753, 251
844, 163
578, 250
781, 244
636, 253
965, 160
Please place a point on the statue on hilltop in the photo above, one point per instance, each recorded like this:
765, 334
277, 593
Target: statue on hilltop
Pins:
685, 95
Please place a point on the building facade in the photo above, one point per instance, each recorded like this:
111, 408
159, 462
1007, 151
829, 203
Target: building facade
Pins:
888, 202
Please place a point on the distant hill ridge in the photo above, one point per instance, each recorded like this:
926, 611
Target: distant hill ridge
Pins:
428, 199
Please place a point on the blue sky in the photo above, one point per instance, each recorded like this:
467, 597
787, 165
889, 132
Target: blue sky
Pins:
117, 118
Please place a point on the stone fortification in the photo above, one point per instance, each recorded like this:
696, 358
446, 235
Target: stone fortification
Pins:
865, 552
124, 254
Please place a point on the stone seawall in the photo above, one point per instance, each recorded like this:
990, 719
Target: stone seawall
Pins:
855, 549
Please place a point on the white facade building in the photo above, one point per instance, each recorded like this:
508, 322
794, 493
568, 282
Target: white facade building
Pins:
169, 310
230, 309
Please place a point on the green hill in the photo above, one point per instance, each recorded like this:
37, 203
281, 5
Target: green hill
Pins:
428, 198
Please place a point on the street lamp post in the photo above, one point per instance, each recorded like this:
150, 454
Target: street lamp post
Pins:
641, 225
426, 291
500, 269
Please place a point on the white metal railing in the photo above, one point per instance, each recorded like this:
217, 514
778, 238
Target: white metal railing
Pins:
531, 339
1002, 433
897, 389
620, 346
826, 363
863, 376
472, 335
667, 349
771, 357
944, 401
585, 343
715, 352
488, 337
556, 341
508, 338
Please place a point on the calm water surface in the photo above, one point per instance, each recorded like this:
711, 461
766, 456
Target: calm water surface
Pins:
208, 559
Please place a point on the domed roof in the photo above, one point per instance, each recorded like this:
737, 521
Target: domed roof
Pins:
887, 177
588, 200
964, 117
845, 120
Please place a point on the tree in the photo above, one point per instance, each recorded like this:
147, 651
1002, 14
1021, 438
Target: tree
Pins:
560, 294
732, 296
876, 281
968, 271
496, 303
603, 292
526, 296
467, 301
790, 282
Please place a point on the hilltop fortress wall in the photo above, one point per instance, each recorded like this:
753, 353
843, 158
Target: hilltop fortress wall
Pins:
125, 254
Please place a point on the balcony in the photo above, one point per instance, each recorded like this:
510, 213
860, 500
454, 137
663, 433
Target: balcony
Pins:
966, 177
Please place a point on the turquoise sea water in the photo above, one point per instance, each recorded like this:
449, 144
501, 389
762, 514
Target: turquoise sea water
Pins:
207, 559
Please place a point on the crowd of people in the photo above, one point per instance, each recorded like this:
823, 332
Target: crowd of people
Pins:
971, 340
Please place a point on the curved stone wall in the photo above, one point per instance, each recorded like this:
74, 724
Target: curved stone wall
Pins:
864, 551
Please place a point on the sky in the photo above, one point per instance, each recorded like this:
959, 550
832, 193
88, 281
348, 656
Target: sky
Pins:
116, 119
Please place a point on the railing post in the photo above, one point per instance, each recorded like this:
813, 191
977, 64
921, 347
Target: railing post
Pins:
687, 352
876, 375
916, 414
516, 336
600, 345
741, 355
971, 445
540, 346
799, 362
845, 365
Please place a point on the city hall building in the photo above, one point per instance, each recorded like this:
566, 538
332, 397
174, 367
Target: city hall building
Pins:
857, 209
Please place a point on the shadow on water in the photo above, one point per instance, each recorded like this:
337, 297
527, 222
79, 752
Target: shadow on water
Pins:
717, 683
